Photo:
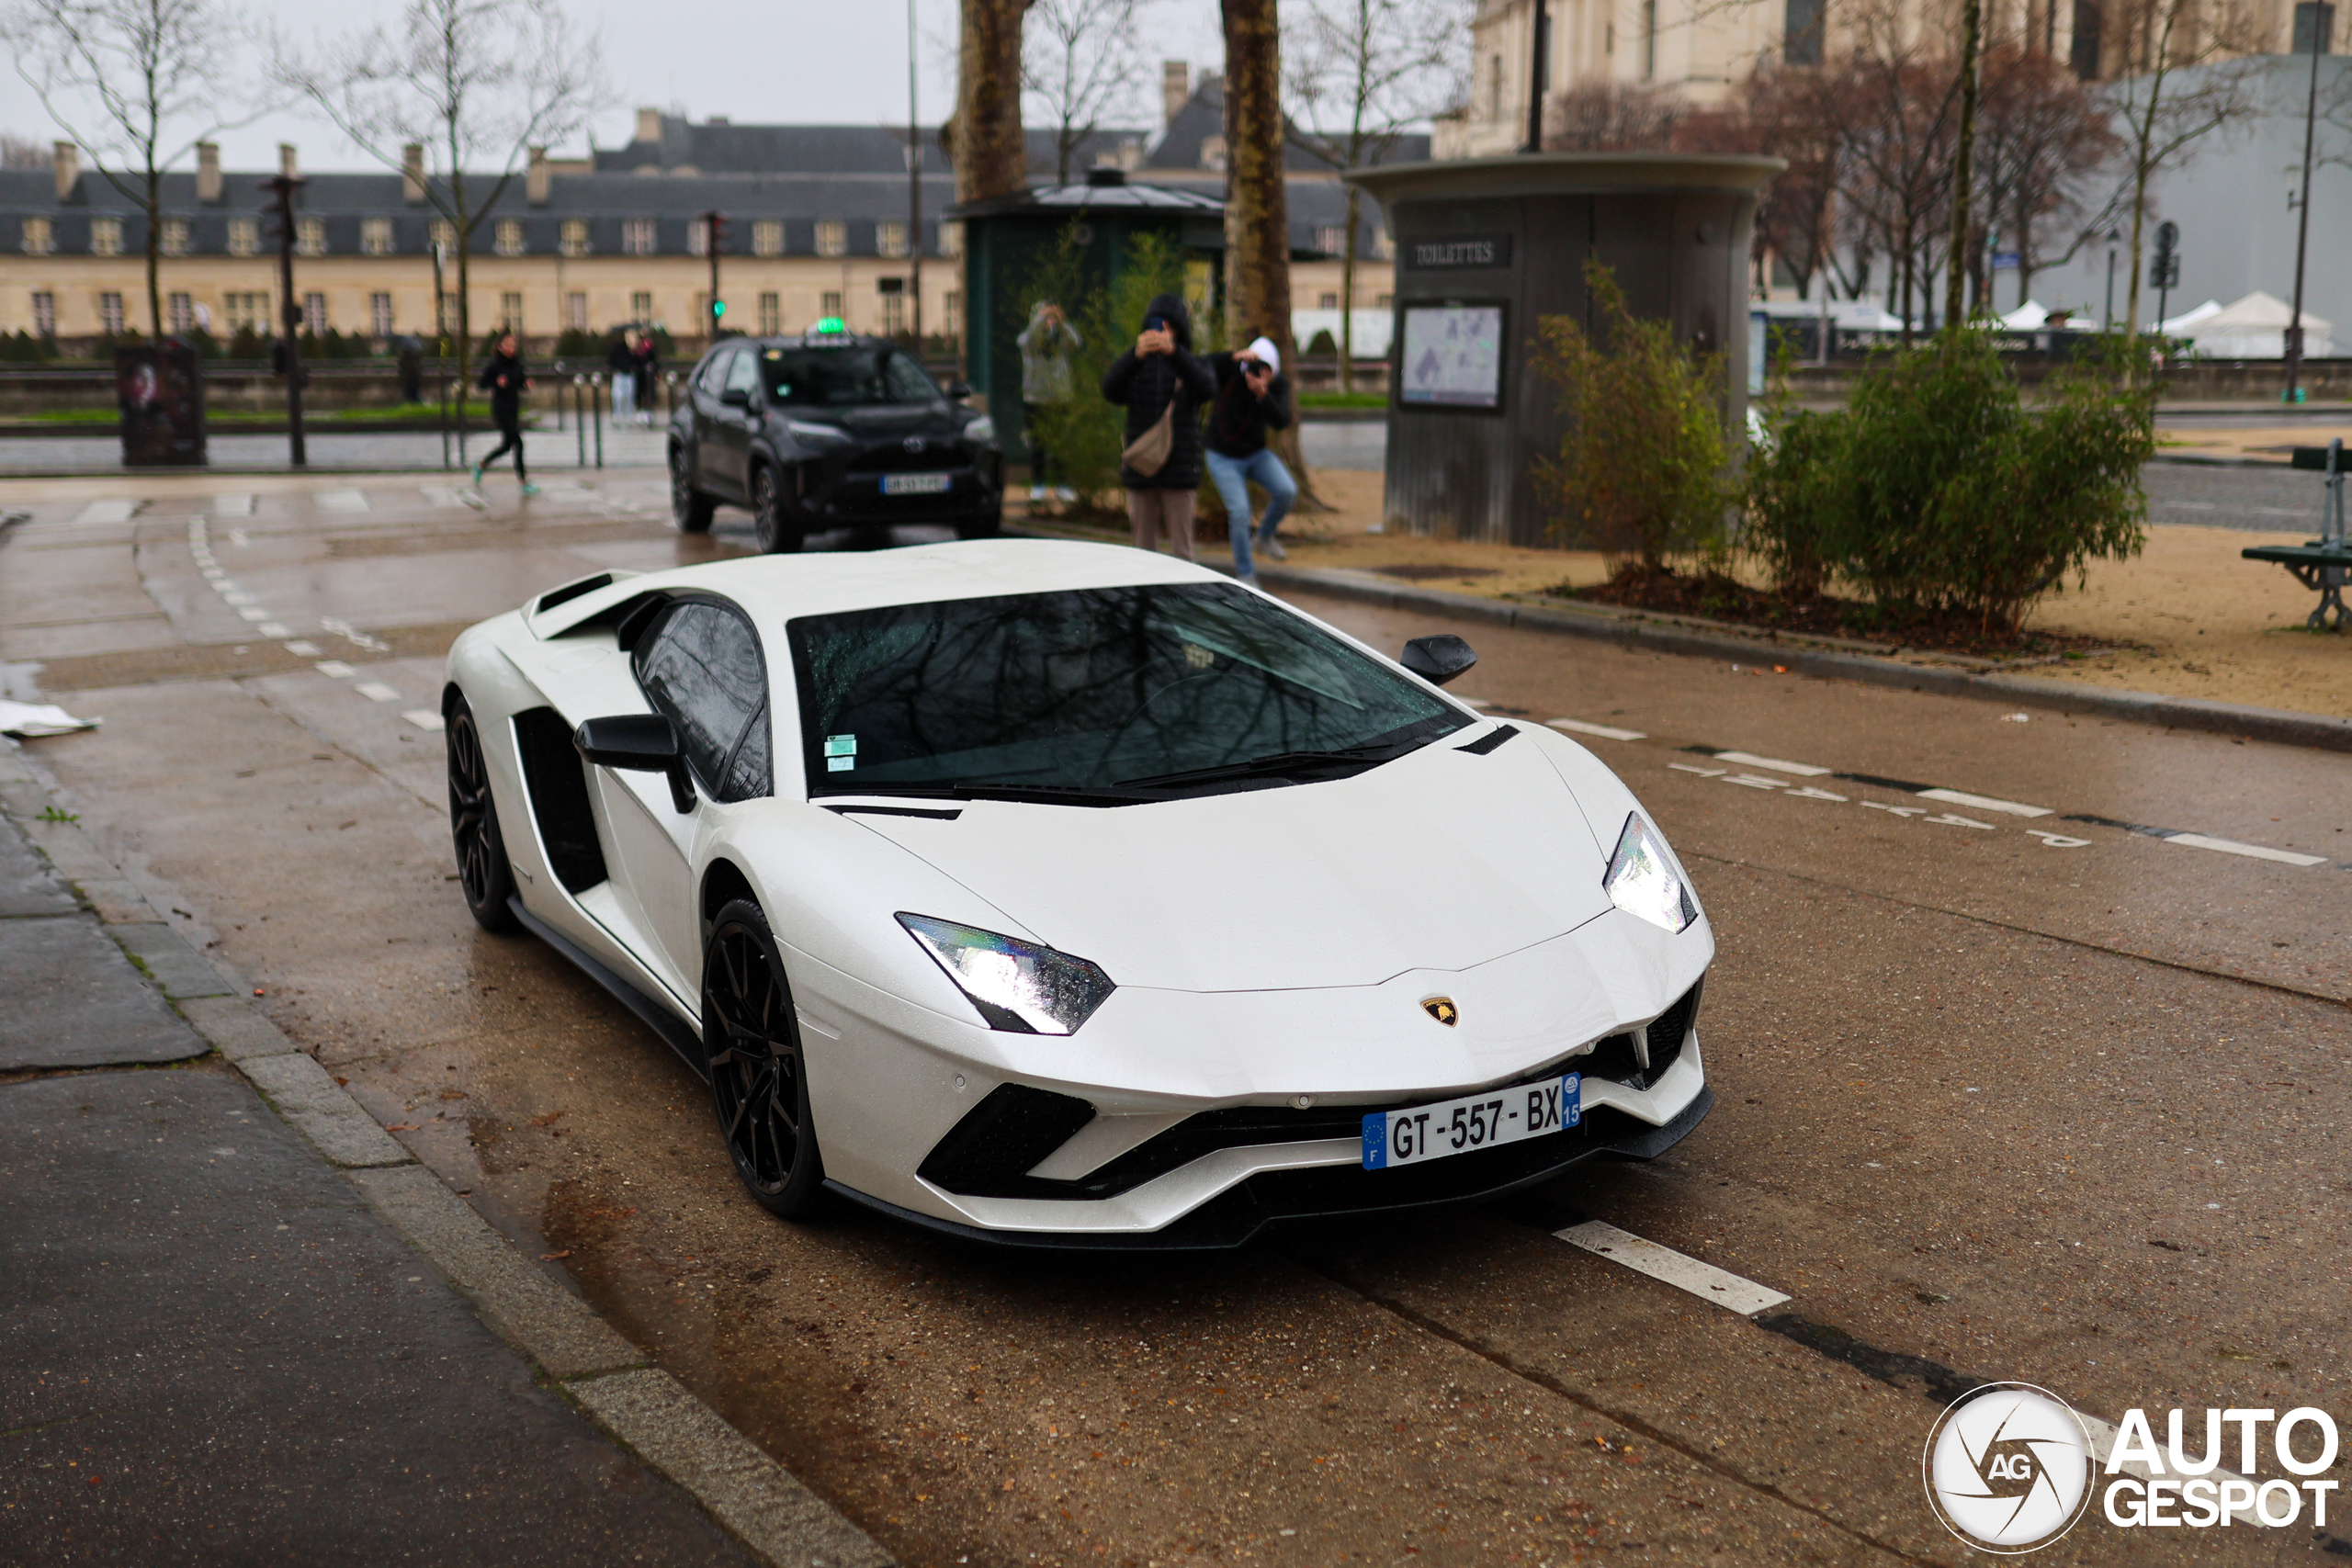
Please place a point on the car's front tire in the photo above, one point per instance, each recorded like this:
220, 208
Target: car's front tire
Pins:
689, 507
759, 1081
483, 875
774, 527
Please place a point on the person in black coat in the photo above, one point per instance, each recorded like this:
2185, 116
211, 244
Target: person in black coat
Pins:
1159, 372
504, 379
620, 360
1252, 400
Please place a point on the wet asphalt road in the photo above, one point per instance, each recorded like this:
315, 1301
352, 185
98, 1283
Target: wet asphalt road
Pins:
2066, 1108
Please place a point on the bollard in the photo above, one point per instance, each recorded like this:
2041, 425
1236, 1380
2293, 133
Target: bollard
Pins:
597, 412
578, 416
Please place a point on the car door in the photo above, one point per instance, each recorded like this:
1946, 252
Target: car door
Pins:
739, 408
701, 667
711, 422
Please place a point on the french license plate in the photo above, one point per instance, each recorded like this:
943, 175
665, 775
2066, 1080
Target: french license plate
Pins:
1474, 1121
917, 484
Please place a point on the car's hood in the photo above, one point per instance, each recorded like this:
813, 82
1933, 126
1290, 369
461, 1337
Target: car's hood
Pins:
1440, 860
889, 419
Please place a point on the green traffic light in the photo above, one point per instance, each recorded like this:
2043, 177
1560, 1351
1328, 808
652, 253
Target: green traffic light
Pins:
718, 307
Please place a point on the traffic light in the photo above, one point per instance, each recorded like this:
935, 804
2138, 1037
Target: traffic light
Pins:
716, 231
718, 307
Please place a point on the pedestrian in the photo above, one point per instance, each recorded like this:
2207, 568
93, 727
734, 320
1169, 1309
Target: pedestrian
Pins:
620, 360
1252, 397
649, 371
1046, 344
1163, 387
408, 351
504, 379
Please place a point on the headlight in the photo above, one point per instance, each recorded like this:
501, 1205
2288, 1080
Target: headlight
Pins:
980, 431
1021, 986
817, 435
1641, 881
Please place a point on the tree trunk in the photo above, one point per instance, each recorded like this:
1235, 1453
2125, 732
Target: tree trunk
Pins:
154, 254
461, 221
1257, 205
990, 152
1971, 29
1348, 297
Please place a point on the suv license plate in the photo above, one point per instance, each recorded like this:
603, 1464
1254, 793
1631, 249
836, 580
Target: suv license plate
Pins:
1474, 1121
917, 484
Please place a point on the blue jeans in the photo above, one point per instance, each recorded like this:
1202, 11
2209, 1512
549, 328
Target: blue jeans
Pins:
1231, 477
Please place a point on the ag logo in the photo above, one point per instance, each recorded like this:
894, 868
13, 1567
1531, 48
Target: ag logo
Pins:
2008, 1468
913, 443
1443, 1010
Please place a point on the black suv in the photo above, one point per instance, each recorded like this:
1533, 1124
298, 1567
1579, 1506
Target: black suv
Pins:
830, 430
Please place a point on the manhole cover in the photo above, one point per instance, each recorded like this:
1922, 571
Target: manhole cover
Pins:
1424, 571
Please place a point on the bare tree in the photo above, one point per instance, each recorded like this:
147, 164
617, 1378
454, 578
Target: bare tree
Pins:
477, 83
1896, 157
1612, 117
984, 136
1797, 116
22, 152
2046, 141
135, 84
1079, 62
1362, 72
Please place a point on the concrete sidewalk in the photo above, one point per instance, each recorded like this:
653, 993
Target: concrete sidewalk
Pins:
239, 1326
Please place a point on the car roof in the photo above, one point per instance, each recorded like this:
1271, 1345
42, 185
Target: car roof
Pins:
773, 589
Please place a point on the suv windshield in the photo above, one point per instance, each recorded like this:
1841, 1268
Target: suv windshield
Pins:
844, 378
1114, 693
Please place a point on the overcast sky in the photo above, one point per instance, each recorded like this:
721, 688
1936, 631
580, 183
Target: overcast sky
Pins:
805, 62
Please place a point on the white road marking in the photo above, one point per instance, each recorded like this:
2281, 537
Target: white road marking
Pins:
1604, 731
2056, 840
335, 668
349, 633
1703, 773
113, 510
1806, 791
233, 593
425, 719
1983, 803
1749, 759
274, 628
2252, 852
377, 692
1752, 782
251, 613
342, 501
1473, 701
440, 495
1897, 810
303, 648
1703, 1280
1949, 820
234, 506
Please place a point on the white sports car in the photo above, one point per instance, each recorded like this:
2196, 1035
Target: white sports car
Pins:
1063, 894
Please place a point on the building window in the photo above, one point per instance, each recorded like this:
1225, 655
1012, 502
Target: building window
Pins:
1330, 238
245, 311
702, 312
829, 303
697, 236
575, 237
110, 313
1384, 302
181, 311
106, 236
44, 314
894, 314
890, 239
173, 239
2314, 20
1801, 33
244, 236
314, 314
510, 312
951, 312
1213, 152
309, 236
444, 234
832, 237
40, 239
767, 236
1326, 302
575, 311
770, 315
510, 237
449, 315
637, 236
2084, 57
640, 307
376, 236
1383, 244
380, 314
951, 238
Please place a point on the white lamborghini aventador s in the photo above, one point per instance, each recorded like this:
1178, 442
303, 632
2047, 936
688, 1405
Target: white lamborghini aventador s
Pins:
1069, 894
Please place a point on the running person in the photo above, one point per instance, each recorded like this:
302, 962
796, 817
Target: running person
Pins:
504, 379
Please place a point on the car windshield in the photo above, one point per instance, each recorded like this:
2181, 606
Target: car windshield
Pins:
1114, 693
844, 378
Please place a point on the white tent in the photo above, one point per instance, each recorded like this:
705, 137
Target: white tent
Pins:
2029, 317
2182, 324
2255, 328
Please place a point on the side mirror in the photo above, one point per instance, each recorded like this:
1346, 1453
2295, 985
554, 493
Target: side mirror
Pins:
958, 388
1439, 659
736, 397
640, 743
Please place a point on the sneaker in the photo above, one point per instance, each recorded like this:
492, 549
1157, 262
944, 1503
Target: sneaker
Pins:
477, 470
530, 489
1272, 549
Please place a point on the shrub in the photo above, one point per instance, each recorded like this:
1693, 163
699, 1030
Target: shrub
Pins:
1644, 469
1936, 492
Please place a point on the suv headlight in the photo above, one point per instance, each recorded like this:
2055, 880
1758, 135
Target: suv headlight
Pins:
1021, 986
981, 431
1642, 879
817, 435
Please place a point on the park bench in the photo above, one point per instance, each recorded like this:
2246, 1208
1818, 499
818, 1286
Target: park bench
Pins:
2326, 563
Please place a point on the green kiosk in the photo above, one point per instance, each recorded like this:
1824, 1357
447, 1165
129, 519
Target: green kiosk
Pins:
1008, 238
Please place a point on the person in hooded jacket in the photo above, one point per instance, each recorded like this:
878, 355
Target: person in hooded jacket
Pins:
503, 378
1160, 370
1252, 398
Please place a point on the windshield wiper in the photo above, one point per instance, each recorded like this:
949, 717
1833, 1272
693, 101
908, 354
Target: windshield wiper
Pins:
1280, 762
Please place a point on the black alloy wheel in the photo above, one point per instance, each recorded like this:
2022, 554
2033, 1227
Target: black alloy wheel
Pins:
758, 1082
773, 527
688, 506
483, 876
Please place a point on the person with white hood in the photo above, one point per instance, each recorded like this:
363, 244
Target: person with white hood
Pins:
1252, 397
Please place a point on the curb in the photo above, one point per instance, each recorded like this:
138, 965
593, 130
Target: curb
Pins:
637, 1405
2276, 725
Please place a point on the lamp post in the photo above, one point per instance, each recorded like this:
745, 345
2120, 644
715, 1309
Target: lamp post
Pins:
1539, 50
914, 187
2114, 239
283, 187
2321, 17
